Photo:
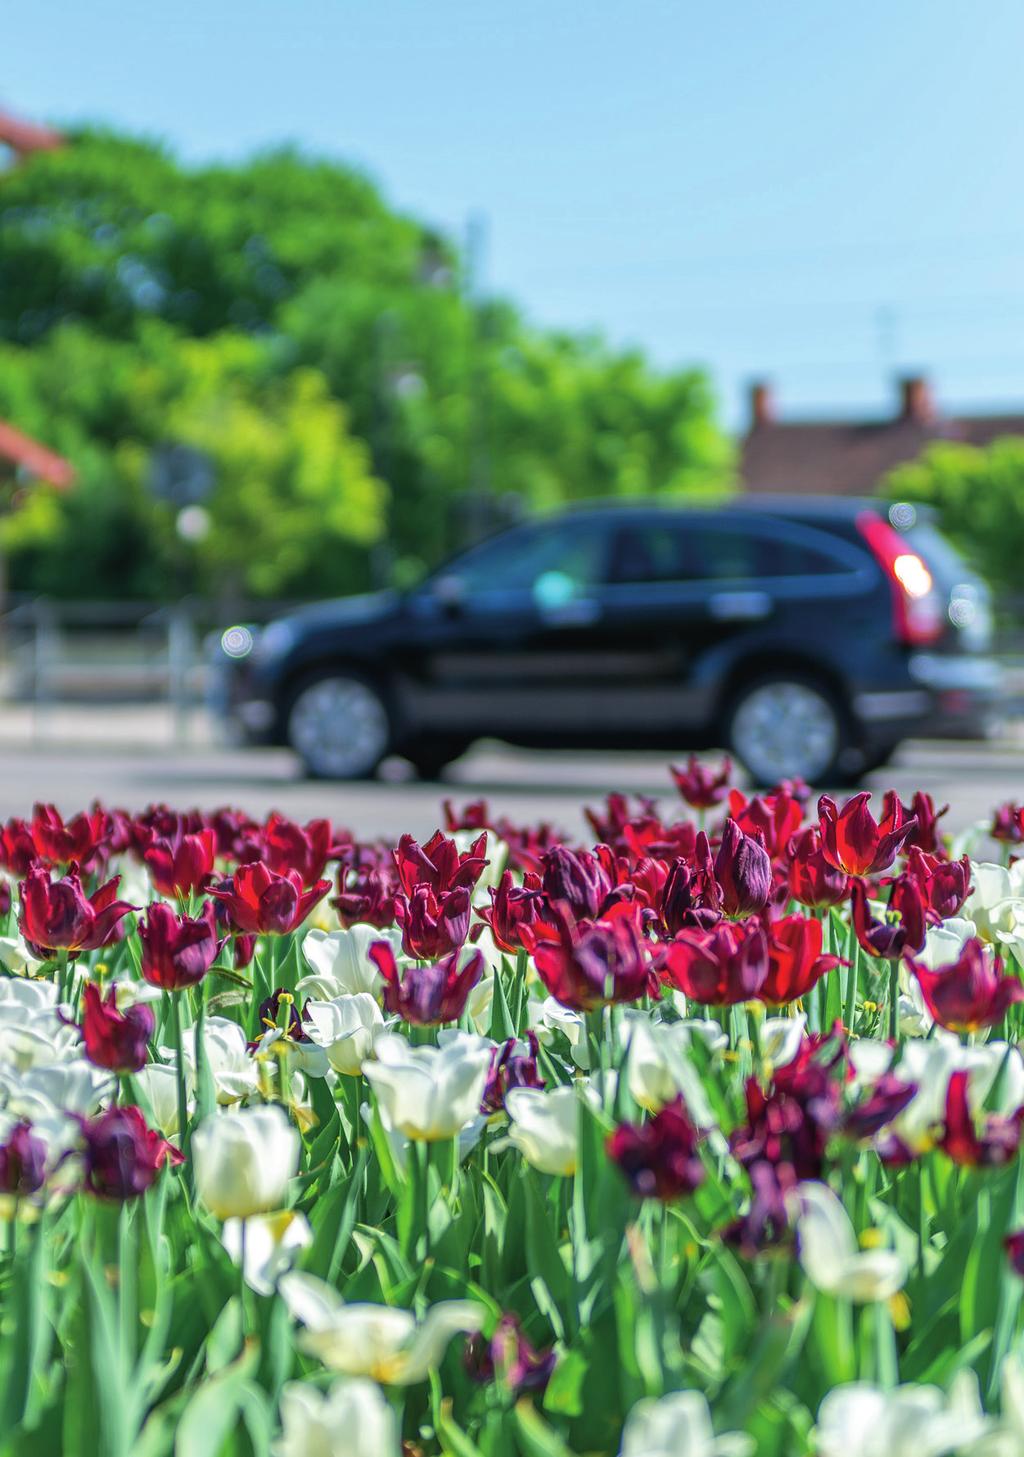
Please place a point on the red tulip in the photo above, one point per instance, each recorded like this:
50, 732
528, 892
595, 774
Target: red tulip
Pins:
902, 931
429, 994
511, 1068
259, 902
885, 1101
177, 951
512, 906
366, 891
432, 925
702, 788
121, 1155
579, 879
439, 863
926, 836
944, 884
285, 845
795, 962
183, 865
853, 841
472, 816
1008, 823
776, 818
17, 847
969, 993
998, 1140
78, 841
22, 1162
726, 964
1014, 1247
57, 915
659, 1159
743, 872
115, 1040
813, 880
510, 1357
588, 964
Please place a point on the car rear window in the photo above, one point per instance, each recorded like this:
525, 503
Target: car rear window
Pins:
695, 551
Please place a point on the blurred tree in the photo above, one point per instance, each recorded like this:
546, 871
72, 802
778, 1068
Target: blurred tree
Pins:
278, 316
978, 493
295, 507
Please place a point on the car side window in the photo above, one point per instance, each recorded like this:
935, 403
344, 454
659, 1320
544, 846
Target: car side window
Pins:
699, 551
564, 559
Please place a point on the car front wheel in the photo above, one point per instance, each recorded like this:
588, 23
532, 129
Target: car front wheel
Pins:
788, 728
339, 726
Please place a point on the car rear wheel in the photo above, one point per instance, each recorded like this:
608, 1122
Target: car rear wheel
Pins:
785, 728
339, 726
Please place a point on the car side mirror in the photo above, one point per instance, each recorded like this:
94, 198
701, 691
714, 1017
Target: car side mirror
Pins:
450, 593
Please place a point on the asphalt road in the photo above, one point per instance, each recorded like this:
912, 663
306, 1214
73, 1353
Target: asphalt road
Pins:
127, 758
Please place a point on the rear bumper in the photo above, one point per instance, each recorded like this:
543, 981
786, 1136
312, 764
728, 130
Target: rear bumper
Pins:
948, 697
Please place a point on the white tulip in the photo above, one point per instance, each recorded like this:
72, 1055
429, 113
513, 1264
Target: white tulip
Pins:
548, 1017
303, 1056
75, 1086
379, 1341
244, 1160
830, 1256
943, 944
678, 1425
859, 1420
781, 1038
659, 1066
33, 997
271, 1243
352, 1419
1008, 1438
544, 1126
429, 1093
341, 961
232, 1067
931, 1063
158, 1084
16, 958
996, 904
346, 1028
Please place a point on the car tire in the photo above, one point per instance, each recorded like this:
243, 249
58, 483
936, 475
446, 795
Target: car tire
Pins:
339, 725
790, 726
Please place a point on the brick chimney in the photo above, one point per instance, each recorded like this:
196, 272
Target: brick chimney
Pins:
762, 404
917, 403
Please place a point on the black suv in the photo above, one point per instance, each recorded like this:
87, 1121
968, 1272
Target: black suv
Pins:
808, 636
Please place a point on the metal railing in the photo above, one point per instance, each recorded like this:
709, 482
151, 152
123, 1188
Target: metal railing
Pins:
61, 653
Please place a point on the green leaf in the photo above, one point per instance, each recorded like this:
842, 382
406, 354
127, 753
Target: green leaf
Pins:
212, 1413
536, 1438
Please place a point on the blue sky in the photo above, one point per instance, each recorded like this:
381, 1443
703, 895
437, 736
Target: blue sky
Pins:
819, 191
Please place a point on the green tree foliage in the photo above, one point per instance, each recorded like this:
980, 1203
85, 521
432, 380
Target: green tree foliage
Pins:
978, 494
318, 347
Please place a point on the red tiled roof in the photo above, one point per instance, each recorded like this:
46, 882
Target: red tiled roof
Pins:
27, 136
35, 459
850, 458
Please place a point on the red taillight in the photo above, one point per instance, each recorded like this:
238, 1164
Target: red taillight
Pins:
918, 617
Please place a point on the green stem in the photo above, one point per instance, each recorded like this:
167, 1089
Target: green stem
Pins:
852, 982
894, 1000
183, 1130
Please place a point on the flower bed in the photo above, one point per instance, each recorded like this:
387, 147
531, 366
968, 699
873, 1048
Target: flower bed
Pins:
704, 1141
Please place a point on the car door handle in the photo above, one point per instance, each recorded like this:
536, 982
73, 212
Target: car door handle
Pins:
739, 606
581, 613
